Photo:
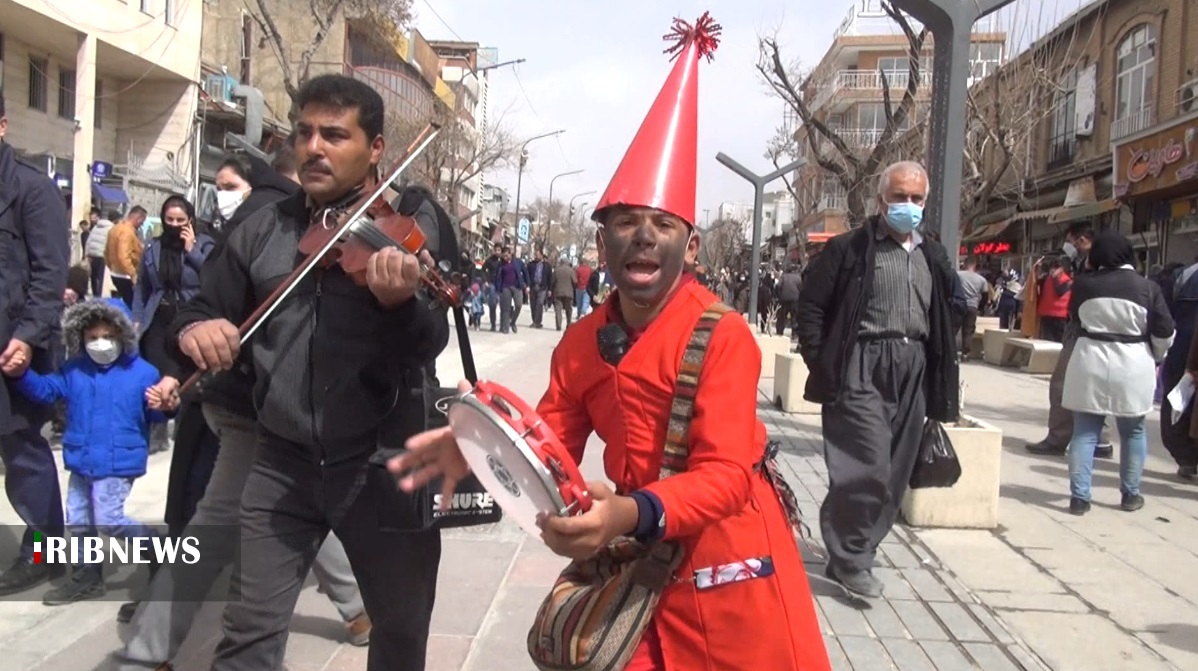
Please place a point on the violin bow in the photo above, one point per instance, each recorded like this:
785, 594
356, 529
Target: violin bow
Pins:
276, 298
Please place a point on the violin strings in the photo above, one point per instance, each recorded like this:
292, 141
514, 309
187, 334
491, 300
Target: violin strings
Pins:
374, 236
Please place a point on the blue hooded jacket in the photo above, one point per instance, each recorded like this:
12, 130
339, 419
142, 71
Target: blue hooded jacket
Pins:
107, 431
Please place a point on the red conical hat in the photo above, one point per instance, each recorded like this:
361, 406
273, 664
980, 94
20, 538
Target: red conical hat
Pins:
658, 170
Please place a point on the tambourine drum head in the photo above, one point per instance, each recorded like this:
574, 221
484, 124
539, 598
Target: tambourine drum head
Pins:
516, 480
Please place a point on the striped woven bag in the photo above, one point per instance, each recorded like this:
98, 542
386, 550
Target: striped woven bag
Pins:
594, 617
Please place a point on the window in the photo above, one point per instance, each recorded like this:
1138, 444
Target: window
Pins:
145, 6
898, 68
168, 13
37, 83
66, 94
872, 116
1134, 83
1062, 144
99, 101
984, 59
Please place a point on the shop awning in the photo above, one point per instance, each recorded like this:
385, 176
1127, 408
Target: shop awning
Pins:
108, 194
988, 231
1064, 215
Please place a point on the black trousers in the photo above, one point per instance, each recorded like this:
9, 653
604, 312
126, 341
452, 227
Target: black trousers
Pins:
969, 326
290, 503
124, 289
97, 267
536, 299
871, 440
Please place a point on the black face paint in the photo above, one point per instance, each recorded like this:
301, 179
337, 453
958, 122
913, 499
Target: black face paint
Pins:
645, 251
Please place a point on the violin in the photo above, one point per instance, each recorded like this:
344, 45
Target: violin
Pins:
362, 228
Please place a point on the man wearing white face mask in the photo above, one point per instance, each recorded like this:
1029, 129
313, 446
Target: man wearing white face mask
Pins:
875, 326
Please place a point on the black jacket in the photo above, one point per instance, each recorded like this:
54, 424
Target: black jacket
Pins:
831, 305
333, 368
35, 253
232, 389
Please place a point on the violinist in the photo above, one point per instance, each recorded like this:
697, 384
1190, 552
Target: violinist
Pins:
332, 367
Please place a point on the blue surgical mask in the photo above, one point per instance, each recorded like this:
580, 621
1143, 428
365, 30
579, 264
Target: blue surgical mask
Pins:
904, 217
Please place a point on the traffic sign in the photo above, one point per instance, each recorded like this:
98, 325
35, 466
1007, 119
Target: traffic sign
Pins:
523, 231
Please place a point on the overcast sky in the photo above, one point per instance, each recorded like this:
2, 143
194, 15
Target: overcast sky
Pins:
594, 67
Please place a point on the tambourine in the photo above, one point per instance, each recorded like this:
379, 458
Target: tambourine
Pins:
516, 456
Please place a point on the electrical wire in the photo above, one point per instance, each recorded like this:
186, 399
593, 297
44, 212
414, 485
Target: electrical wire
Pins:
443, 21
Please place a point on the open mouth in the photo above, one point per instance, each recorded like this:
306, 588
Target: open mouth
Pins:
642, 272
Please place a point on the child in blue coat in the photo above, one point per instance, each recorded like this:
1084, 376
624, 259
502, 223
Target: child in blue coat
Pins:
105, 441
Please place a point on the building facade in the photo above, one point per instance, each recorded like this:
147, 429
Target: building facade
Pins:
1112, 150
237, 55
463, 176
846, 92
104, 96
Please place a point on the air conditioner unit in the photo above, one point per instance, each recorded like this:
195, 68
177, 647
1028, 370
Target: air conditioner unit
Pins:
219, 86
1187, 97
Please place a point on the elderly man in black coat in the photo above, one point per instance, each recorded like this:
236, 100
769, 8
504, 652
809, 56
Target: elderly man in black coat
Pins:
35, 252
875, 324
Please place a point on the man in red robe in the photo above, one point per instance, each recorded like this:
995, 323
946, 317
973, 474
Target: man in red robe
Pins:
615, 374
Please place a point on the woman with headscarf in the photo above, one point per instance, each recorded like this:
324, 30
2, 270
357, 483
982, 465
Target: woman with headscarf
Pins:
1124, 330
169, 274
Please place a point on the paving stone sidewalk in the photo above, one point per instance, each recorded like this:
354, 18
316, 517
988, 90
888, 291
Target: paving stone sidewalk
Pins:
927, 620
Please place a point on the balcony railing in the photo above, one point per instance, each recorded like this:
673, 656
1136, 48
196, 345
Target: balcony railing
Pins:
1061, 152
869, 81
1133, 122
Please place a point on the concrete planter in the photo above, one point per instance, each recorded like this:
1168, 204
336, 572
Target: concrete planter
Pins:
972, 503
790, 377
771, 345
994, 342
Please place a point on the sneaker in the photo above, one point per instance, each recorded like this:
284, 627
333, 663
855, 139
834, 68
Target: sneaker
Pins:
1078, 506
23, 575
359, 630
1131, 502
861, 583
82, 585
1187, 472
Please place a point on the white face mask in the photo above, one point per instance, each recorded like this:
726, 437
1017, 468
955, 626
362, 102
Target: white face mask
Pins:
103, 351
228, 202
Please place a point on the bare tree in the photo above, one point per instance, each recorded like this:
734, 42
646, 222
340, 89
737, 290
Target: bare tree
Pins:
853, 168
546, 230
455, 157
1006, 110
721, 244
579, 233
385, 15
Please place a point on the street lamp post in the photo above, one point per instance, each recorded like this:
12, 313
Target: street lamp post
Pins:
580, 195
564, 174
758, 182
951, 23
523, 160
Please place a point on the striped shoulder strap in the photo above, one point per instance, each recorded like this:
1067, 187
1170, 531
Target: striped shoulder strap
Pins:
678, 434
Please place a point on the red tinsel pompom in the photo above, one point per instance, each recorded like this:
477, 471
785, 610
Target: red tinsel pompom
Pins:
705, 33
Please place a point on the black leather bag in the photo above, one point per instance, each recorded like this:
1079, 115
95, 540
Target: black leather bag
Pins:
421, 510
